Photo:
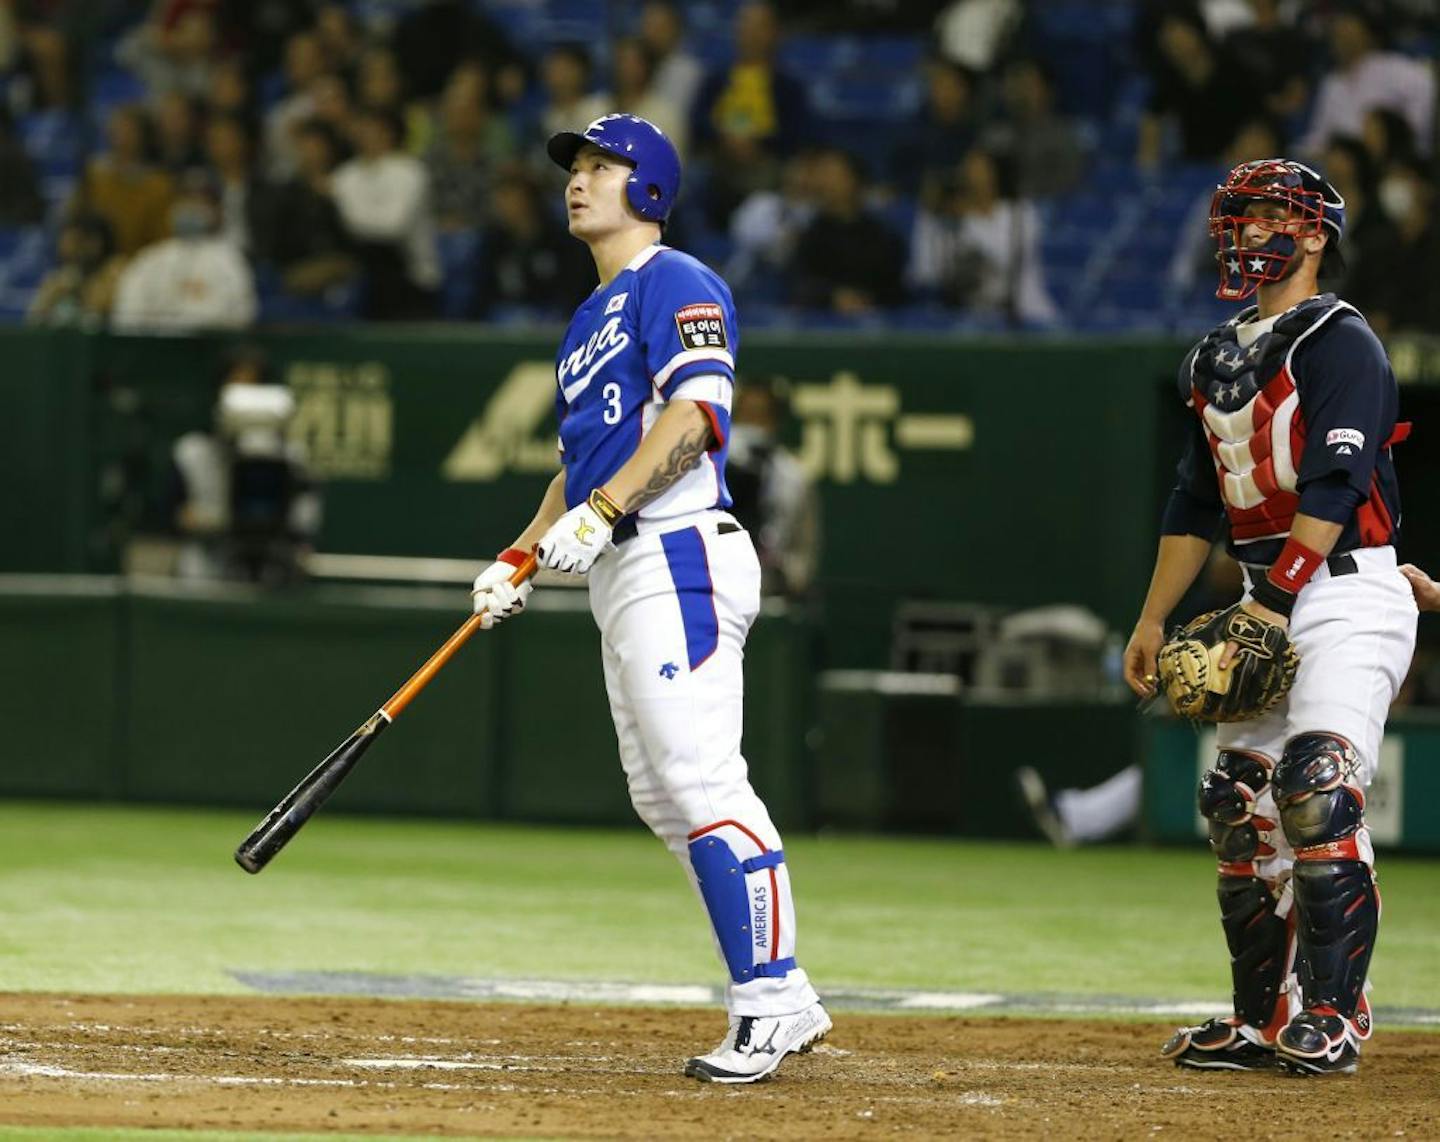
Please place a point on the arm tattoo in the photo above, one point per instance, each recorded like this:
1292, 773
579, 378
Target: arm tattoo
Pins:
683, 457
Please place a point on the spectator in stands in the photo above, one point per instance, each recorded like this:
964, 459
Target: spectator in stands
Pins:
1274, 56
1366, 77
774, 497
570, 105
847, 260
175, 50
227, 146
333, 106
301, 233
527, 259
470, 142
1371, 238
434, 39
35, 52
1410, 299
1041, 149
766, 228
379, 87
975, 33
1205, 102
946, 131
20, 201
678, 74
1387, 137
124, 189
977, 249
632, 84
340, 40
304, 64
81, 289
384, 199
230, 94
193, 280
747, 116
176, 130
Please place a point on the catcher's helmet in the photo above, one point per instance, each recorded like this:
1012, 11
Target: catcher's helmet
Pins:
654, 182
1311, 207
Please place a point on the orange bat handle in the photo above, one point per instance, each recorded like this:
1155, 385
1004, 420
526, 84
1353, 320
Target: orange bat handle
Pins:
421, 678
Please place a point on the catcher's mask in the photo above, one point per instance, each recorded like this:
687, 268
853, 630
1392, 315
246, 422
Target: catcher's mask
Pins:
1308, 207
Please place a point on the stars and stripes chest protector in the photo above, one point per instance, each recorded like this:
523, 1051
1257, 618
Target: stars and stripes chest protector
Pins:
1250, 410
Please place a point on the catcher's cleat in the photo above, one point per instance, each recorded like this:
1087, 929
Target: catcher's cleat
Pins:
1042, 811
755, 1045
1219, 1045
1320, 1041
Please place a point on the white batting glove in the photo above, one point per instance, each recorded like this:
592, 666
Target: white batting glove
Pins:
494, 596
580, 536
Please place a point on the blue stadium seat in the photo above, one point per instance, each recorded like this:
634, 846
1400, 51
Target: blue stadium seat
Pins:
459, 263
54, 140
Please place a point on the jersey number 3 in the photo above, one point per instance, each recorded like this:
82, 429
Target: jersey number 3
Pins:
611, 395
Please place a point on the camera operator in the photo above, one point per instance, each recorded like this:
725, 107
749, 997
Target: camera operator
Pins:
247, 508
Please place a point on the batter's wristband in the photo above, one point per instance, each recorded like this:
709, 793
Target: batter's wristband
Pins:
513, 556
606, 508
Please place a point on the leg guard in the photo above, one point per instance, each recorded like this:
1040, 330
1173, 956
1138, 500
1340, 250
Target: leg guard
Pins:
1322, 808
1258, 929
1323, 813
742, 894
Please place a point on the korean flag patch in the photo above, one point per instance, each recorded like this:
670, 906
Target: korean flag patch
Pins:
702, 326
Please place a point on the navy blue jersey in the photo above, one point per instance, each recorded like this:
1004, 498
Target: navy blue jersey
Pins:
1334, 444
663, 329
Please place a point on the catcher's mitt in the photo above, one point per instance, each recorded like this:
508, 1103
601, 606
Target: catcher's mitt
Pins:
1260, 675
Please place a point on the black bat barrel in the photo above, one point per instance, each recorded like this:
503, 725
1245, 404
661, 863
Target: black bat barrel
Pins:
285, 820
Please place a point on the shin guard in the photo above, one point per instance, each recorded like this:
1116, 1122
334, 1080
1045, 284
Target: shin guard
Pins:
741, 882
1322, 809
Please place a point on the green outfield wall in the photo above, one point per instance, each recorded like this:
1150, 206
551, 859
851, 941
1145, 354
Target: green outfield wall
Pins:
145, 691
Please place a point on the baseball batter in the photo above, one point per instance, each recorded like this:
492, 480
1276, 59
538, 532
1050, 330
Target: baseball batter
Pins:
644, 381
1296, 411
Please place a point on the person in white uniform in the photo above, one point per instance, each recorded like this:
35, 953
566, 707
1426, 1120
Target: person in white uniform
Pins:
644, 381
1297, 412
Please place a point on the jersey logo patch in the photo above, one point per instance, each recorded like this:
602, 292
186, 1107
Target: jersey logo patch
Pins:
702, 326
615, 304
1345, 436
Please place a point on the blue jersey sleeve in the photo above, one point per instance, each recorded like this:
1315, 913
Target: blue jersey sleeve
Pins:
688, 336
1349, 400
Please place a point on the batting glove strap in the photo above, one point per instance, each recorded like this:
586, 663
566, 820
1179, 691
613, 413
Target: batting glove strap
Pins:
606, 508
513, 556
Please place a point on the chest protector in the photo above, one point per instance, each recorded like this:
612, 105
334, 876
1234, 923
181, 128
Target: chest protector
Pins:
1248, 405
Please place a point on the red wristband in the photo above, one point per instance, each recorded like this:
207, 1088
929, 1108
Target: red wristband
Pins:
1294, 567
513, 556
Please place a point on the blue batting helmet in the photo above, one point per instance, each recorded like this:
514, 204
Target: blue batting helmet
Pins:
654, 182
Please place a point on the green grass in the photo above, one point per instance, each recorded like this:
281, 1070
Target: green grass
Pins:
148, 900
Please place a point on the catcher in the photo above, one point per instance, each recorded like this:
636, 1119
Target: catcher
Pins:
1296, 411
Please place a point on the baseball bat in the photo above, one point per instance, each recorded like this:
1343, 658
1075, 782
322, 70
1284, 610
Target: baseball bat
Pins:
286, 819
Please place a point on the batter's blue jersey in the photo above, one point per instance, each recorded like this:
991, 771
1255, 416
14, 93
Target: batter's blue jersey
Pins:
663, 329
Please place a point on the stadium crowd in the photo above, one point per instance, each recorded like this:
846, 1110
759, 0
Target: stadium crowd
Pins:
971, 164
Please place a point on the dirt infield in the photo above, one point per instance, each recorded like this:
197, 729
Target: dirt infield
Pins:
608, 1072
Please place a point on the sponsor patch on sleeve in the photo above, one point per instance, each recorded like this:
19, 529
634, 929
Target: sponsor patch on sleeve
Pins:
1345, 439
702, 326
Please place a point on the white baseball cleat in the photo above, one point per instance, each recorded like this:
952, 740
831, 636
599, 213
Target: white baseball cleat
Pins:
755, 1045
